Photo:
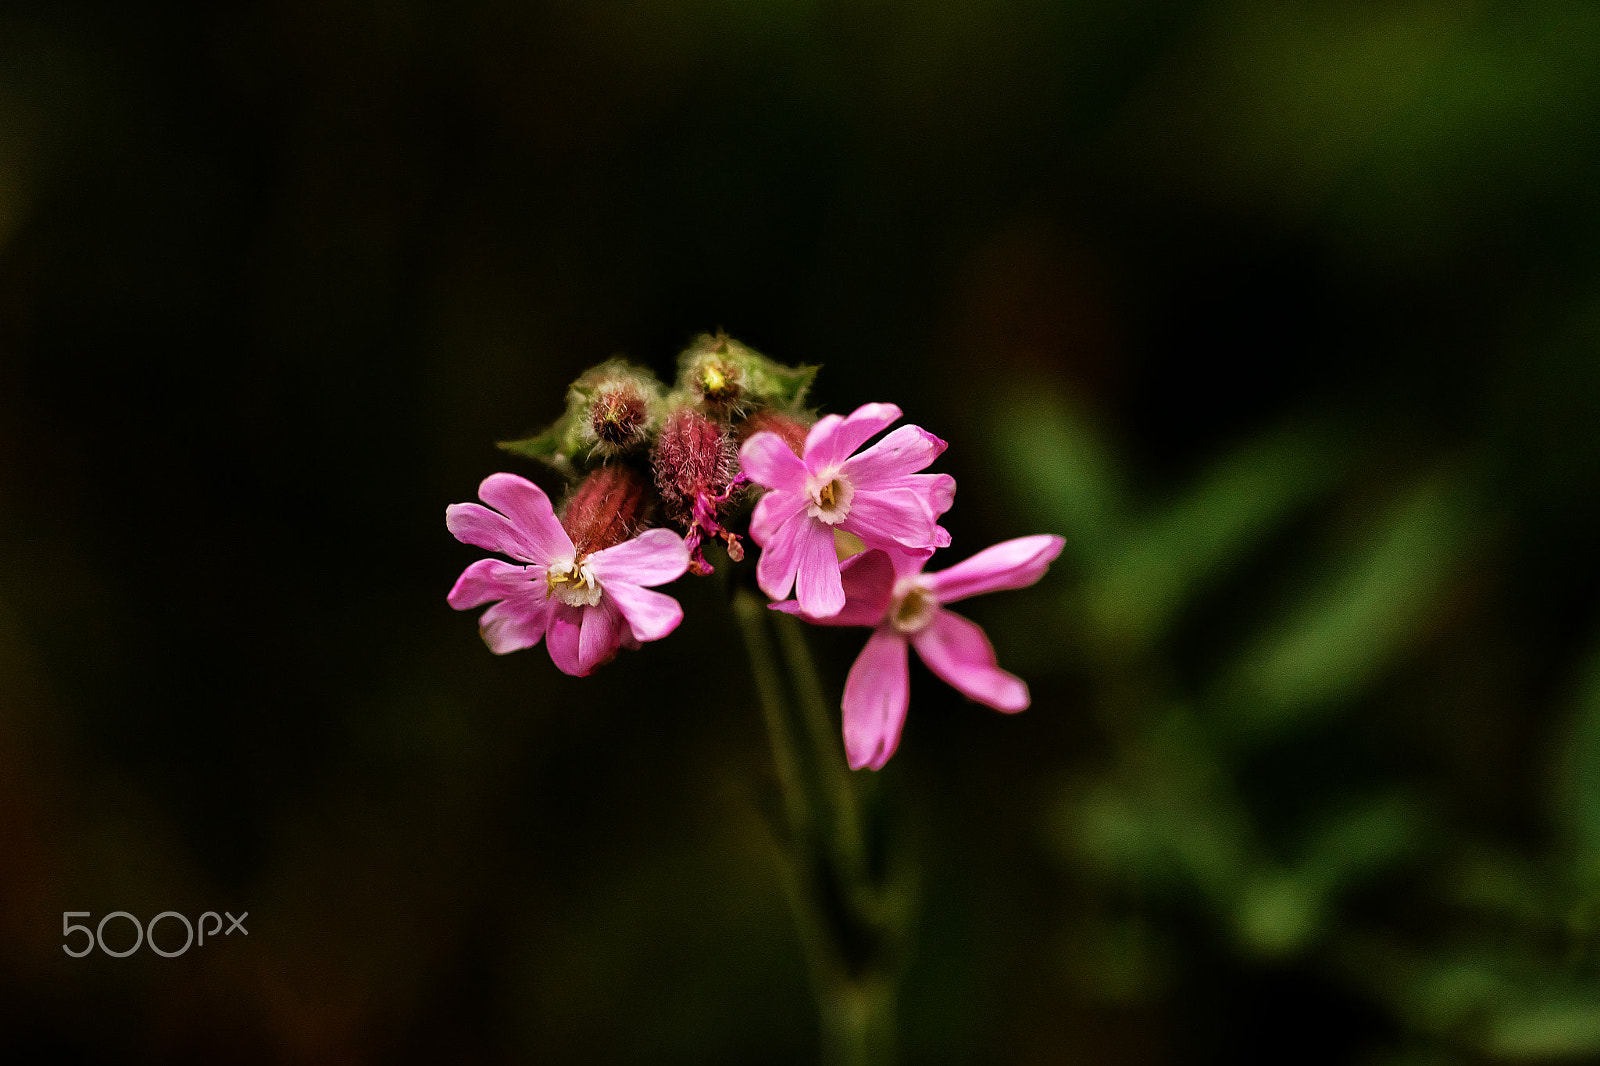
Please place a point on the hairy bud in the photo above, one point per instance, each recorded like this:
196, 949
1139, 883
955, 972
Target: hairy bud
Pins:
697, 471
619, 416
612, 409
693, 456
606, 508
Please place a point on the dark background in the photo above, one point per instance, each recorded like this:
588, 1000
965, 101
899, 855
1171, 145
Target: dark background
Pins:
1288, 316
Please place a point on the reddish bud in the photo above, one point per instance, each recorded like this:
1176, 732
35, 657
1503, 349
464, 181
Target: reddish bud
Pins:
697, 470
791, 430
619, 415
605, 509
693, 457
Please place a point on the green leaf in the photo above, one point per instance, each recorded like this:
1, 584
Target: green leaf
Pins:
1354, 625
1358, 841
1562, 1027
1058, 470
1137, 590
555, 446
1579, 773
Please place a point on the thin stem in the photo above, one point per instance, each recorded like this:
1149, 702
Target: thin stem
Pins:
852, 927
827, 750
750, 612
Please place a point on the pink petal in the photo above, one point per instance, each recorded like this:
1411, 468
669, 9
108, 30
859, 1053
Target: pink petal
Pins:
833, 439
901, 453
561, 637
772, 511
493, 579
654, 557
908, 561
529, 510
770, 462
1011, 564
780, 556
473, 523
896, 517
650, 615
938, 491
580, 638
875, 697
817, 584
868, 581
516, 623
958, 652
600, 635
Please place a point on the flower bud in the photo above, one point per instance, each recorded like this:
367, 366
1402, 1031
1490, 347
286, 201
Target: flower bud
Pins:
693, 456
619, 416
605, 509
792, 430
612, 409
697, 471
728, 378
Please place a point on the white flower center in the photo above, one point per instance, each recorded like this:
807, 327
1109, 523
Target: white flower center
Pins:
830, 497
573, 583
913, 606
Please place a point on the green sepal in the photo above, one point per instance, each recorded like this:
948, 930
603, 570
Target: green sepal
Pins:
756, 381
570, 442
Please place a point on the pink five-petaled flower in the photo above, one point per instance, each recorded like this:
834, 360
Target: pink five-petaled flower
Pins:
908, 607
876, 495
586, 606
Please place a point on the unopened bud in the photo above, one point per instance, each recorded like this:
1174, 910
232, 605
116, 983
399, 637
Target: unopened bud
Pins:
619, 407
611, 409
717, 381
619, 416
693, 457
729, 378
606, 508
697, 472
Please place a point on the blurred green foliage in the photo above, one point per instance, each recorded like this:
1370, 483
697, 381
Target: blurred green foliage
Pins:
1166, 824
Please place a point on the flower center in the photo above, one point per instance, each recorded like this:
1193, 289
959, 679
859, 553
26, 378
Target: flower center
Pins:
830, 498
913, 609
573, 583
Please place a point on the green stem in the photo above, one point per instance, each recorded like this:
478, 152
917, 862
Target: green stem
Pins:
827, 747
750, 613
852, 925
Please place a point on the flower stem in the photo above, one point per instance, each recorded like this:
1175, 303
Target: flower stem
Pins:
851, 893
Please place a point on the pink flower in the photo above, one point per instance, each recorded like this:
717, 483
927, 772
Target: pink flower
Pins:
905, 606
587, 605
876, 495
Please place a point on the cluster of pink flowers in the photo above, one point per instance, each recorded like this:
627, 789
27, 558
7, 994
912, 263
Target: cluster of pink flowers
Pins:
581, 582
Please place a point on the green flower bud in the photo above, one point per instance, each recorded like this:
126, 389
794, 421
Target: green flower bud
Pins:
612, 409
729, 379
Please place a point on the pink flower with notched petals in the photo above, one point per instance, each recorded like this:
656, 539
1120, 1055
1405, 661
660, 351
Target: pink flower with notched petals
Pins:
586, 606
906, 606
876, 495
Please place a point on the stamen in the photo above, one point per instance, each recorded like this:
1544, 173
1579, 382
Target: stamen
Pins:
573, 584
830, 499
